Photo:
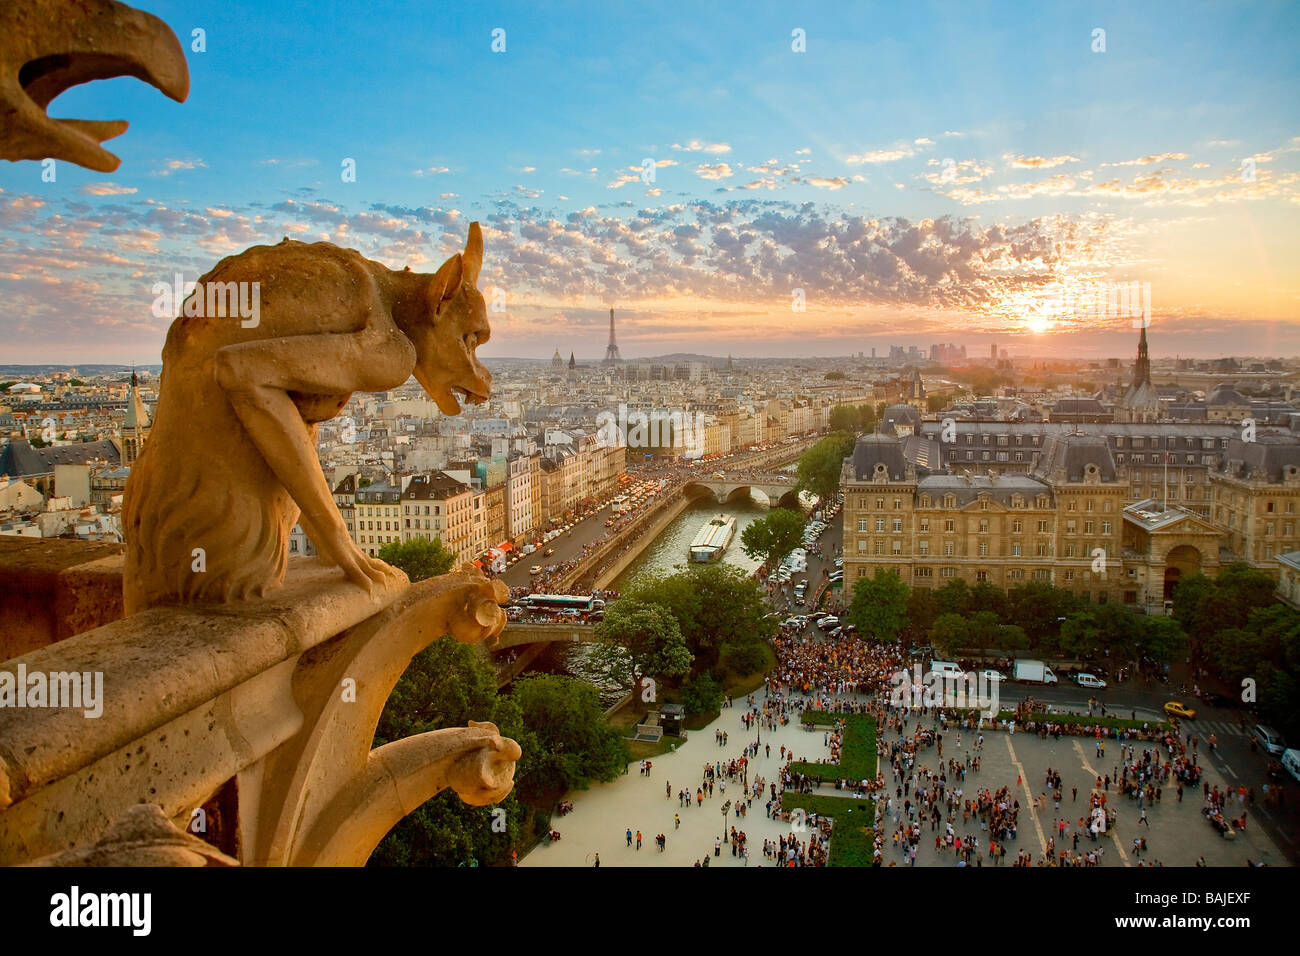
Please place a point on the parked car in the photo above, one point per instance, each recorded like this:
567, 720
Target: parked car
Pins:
991, 675
1176, 709
1269, 739
828, 622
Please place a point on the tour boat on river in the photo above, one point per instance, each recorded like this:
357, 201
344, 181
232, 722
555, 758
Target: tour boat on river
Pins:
712, 540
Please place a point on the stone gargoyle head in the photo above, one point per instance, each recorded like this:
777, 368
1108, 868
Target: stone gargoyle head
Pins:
454, 324
48, 46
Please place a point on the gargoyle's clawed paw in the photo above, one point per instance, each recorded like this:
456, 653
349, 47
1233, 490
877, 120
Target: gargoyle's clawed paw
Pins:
368, 573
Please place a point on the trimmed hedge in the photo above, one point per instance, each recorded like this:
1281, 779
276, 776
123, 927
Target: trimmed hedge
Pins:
853, 835
857, 752
1074, 720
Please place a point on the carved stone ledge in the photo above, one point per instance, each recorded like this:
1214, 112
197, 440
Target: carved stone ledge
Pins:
195, 696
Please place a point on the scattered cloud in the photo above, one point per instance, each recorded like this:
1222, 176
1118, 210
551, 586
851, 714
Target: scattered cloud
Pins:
1148, 160
1037, 162
714, 172
170, 166
108, 189
893, 154
839, 182
696, 146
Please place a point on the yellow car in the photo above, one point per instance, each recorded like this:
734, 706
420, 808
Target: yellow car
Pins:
1175, 709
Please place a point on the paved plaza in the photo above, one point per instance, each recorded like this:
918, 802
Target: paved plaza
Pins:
1177, 834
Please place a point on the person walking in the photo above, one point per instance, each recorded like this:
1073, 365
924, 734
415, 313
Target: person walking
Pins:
629, 836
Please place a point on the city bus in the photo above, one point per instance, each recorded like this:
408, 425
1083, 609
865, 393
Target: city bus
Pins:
571, 603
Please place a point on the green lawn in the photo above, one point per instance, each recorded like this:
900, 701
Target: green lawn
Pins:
854, 832
857, 754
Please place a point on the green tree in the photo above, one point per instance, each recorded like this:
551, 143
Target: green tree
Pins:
771, 538
922, 609
1187, 597
987, 597
954, 597
982, 629
1009, 637
879, 606
418, 557
1162, 639
573, 743
743, 659
701, 695
852, 419
834, 376
447, 685
637, 640
819, 467
948, 633
1038, 608
714, 604
936, 403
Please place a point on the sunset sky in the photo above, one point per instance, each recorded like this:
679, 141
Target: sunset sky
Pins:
923, 172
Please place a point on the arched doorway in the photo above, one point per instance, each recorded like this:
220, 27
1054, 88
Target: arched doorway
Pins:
1180, 562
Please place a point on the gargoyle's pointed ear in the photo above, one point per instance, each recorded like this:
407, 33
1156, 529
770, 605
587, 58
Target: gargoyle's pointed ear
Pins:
445, 281
472, 257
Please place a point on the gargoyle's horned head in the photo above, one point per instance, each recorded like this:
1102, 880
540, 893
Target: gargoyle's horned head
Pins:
47, 46
457, 325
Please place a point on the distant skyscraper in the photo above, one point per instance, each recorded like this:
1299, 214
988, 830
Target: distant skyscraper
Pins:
611, 352
993, 352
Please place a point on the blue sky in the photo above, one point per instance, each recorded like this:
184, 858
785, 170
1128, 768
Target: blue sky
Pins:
924, 172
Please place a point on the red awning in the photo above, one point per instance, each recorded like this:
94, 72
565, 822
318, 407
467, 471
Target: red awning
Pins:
506, 546
478, 564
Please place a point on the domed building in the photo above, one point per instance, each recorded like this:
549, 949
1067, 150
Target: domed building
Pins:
899, 421
1226, 404
557, 361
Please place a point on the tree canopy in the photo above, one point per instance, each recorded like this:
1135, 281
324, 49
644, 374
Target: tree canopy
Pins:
713, 605
820, 466
771, 538
636, 639
879, 605
418, 557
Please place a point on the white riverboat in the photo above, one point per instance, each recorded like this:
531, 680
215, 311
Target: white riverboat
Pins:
712, 540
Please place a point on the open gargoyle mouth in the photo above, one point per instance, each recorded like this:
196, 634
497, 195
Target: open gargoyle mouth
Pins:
103, 40
473, 398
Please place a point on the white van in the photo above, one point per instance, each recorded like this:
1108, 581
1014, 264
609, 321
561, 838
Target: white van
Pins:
1291, 761
1090, 680
946, 669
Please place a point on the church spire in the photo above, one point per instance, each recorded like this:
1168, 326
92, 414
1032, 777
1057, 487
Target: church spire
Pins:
1142, 368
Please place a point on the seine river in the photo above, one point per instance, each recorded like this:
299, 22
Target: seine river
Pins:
666, 553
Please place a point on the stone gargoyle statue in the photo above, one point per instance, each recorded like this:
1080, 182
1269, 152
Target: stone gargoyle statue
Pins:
48, 46
231, 464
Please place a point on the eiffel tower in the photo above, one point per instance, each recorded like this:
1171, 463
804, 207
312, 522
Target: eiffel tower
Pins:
611, 351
